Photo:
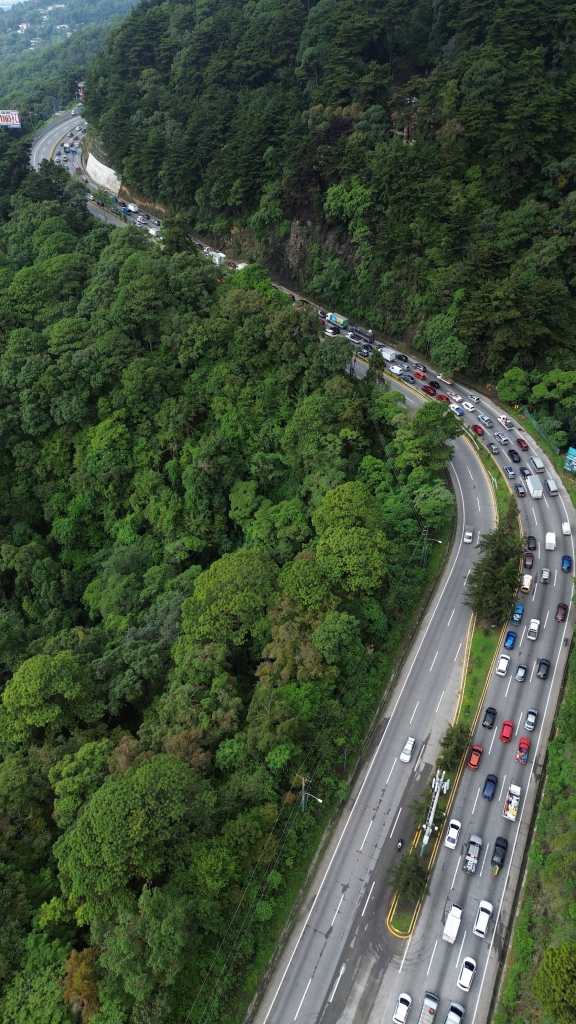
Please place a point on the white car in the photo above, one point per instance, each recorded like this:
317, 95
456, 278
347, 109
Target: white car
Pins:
452, 833
474, 398
469, 406
467, 972
468, 536
503, 664
545, 575
455, 396
402, 1008
395, 369
408, 750
485, 911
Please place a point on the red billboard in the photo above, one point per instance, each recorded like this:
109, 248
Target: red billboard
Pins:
9, 119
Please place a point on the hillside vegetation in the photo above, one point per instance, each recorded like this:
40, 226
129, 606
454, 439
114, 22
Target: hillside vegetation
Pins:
209, 536
410, 162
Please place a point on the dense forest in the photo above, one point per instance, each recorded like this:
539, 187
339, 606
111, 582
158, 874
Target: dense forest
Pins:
409, 162
209, 536
40, 66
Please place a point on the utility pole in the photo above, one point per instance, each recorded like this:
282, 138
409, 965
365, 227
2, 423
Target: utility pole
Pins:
306, 795
440, 784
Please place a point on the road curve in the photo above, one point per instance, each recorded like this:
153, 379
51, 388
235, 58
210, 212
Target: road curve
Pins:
340, 964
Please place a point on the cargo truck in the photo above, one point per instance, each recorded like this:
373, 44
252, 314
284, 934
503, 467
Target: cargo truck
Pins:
452, 924
472, 855
512, 802
387, 353
335, 318
534, 486
429, 1008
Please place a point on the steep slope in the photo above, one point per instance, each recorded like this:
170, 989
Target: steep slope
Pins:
413, 162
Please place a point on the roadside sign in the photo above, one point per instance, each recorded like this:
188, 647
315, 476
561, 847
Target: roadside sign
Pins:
570, 462
9, 119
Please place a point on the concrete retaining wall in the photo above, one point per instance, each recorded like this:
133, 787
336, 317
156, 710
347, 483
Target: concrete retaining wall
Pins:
103, 175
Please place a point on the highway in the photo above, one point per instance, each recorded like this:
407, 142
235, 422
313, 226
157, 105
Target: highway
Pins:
340, 963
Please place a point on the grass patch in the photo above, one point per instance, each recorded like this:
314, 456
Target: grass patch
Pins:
403, 915
484, 644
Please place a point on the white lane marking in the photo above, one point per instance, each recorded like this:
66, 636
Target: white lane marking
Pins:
467, 574
518, 726
391, 770
373, 760
440, 701
523, 806
534, 591
546, 619
295, 1017
366, 834
546, 501
433, 662
337, 909
460, 950
458, 651
455, 872
532, 672
469, 473
555, 577
336, 983
538, 550
522, 637
405, 953
492, 743
483, 862
368, 898
431, 958
416, 706
508, 687
478, 503
451, 616
534, 514
418, 759
476, 800
395, 823
502, 787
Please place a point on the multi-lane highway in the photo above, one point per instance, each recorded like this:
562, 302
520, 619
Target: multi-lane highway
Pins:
340, 963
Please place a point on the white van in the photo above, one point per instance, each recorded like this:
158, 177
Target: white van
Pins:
550, 542
537, 464
565, 528
485, 911
551, 487
526, 583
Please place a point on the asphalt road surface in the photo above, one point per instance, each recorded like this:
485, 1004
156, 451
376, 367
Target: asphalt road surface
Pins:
340, 963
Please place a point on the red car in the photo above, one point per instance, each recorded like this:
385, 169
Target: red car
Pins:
475, 755
419, 375
522, 444
478, 429
428, 390
507, 731
441, 397
523, 750
561, 612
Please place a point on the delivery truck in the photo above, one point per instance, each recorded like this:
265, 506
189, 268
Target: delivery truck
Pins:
534, 485
337, 320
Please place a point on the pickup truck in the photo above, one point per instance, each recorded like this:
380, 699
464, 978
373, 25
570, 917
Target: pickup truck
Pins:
512, 802
523, 750
472, 854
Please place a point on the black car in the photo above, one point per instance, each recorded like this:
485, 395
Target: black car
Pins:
528, 560
421, 367
366, 351
499, 854
543, 668
514, 455
493, 448
322, 314
531, 543
407, 378
489, 718
525, 471
434, 384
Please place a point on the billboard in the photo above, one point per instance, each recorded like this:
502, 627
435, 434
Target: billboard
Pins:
9, 119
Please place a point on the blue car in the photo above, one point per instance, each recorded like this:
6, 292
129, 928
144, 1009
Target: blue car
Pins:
518, 612
490, 787
510, 640
566, 564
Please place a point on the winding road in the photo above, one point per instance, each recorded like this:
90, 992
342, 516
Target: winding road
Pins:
340, 962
